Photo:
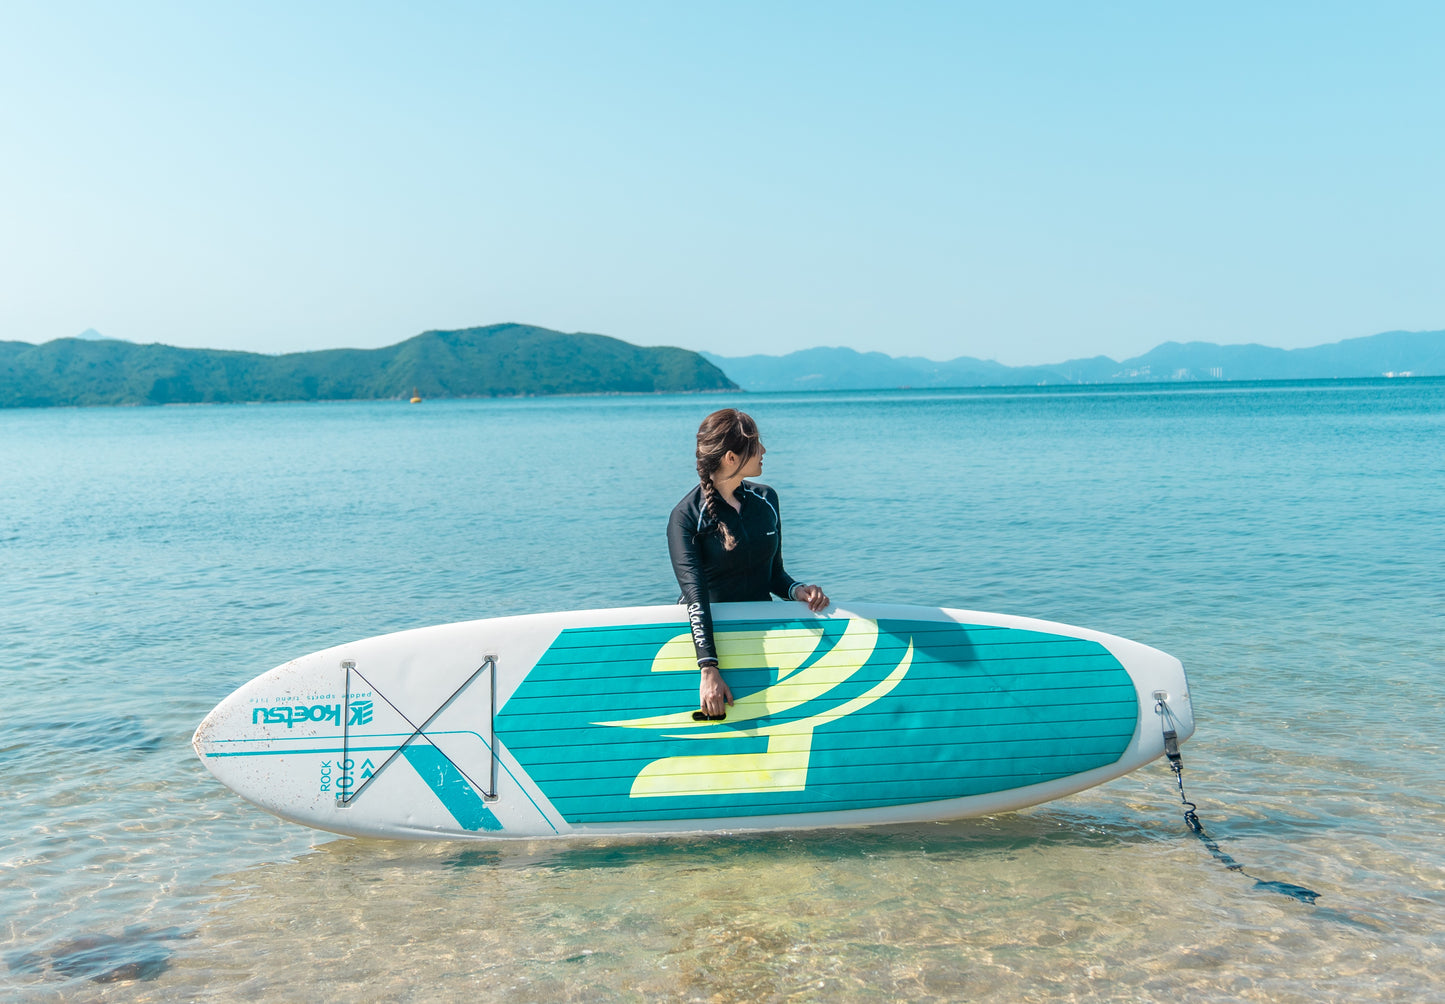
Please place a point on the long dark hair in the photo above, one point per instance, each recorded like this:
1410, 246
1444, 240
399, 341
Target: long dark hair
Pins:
720, 432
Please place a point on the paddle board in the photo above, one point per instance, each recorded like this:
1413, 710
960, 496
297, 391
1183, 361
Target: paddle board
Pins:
583, 722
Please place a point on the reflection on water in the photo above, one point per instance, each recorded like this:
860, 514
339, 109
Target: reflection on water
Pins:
1037, 906
137, 953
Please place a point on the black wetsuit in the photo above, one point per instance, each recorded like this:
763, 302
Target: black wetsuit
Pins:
709, 574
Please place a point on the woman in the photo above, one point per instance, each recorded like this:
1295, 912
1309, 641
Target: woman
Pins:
726, 541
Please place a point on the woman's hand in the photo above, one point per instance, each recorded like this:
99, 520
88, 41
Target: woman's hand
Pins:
712, 693
816, 599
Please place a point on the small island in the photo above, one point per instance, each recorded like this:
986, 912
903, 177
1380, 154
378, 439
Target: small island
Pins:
499, 360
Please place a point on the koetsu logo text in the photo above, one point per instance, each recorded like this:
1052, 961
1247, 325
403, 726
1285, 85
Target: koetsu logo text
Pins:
292, 715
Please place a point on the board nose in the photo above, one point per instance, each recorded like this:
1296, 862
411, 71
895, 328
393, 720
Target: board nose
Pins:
201, 736
202, 739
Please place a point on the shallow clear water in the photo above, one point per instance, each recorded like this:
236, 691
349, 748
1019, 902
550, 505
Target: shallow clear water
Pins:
1285, 541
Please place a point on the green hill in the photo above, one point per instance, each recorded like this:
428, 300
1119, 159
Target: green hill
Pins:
501, 360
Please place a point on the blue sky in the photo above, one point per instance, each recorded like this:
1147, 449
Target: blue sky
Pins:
1027, 182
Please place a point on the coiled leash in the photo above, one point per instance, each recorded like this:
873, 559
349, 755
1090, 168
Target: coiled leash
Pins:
1191, 811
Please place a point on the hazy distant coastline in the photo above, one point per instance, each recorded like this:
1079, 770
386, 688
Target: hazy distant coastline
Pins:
508, 360
1392, 353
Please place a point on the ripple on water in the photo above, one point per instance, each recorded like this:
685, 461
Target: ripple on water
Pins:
1029, 907
38, 742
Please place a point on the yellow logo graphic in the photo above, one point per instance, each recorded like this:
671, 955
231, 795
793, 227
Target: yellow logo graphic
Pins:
784, 765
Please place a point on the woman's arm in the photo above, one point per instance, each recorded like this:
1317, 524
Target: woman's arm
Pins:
687, 566
780, 582
713, 693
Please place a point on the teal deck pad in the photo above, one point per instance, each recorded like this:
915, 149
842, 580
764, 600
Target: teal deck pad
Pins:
926, 711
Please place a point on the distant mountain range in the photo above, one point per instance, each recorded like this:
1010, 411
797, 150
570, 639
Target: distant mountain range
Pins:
1393, 353
504, 360
494, 361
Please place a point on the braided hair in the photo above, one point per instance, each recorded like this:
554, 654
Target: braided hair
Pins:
728, 429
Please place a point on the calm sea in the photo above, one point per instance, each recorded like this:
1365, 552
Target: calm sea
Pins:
1285, 541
